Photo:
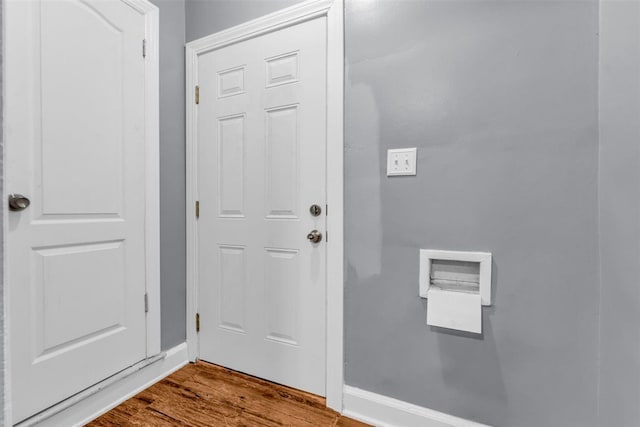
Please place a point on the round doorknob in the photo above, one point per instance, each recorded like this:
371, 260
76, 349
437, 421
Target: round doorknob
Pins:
315, 236
18, 202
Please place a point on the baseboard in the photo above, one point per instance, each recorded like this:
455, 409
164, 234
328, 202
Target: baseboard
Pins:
110, 397
383, 411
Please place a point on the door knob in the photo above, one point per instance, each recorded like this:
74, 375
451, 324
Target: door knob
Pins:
18, 202
315, 236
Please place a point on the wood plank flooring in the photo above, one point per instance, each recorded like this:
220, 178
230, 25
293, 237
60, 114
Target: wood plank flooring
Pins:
207, 395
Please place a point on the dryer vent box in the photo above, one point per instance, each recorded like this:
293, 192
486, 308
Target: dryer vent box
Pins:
456, 271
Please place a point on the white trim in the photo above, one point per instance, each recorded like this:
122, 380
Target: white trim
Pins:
266, 24
191, 192
335, 200
383, 411
108, 398
333, 10
152, 200
70, 402
5, 420
142, 6
152, 172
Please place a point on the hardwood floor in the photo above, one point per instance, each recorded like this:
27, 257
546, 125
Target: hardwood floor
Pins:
203, 394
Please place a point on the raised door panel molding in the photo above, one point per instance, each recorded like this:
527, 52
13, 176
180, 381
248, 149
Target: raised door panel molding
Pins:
282, 162
79, 116
232, 288
282, 294
282, 69
231, 82
231, 164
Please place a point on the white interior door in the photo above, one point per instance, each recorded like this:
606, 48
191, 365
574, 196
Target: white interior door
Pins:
75, 128
262, 164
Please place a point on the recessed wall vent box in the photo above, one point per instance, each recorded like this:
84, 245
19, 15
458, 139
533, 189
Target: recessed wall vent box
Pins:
457, 284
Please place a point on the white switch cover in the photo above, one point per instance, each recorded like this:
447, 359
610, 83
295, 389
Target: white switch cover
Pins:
401, 161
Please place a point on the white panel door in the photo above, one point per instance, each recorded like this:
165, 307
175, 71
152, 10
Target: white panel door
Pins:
75, 146
262, 164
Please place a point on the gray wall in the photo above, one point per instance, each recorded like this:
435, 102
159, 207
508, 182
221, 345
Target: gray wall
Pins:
172, 172
206, 17
501, 100
620, 212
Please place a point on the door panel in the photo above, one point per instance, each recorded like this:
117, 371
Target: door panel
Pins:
78, 282
282, 294
75, 146
233, 283
97, 138
281, 145
231, 166
262, 164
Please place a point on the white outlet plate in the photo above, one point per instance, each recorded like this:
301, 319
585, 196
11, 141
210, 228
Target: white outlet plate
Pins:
401, 161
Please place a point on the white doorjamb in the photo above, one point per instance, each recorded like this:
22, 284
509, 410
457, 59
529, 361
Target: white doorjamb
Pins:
5, 418
152, 196
333, 10
152, 170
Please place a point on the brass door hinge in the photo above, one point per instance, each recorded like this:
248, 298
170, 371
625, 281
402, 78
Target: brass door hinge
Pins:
197, 95
197, 208
197, 322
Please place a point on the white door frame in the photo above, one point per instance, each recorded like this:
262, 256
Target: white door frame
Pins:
152, 195
333, 11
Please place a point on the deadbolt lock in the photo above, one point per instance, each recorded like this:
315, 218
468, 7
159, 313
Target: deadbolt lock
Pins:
315, 236
315, 210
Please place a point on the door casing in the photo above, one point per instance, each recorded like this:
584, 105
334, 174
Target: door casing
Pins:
333, 10
152, 198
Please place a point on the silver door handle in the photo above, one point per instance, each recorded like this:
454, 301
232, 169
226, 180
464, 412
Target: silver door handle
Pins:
18, 202
315, 236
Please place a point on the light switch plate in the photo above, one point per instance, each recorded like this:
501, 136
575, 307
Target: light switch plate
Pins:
401, 161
